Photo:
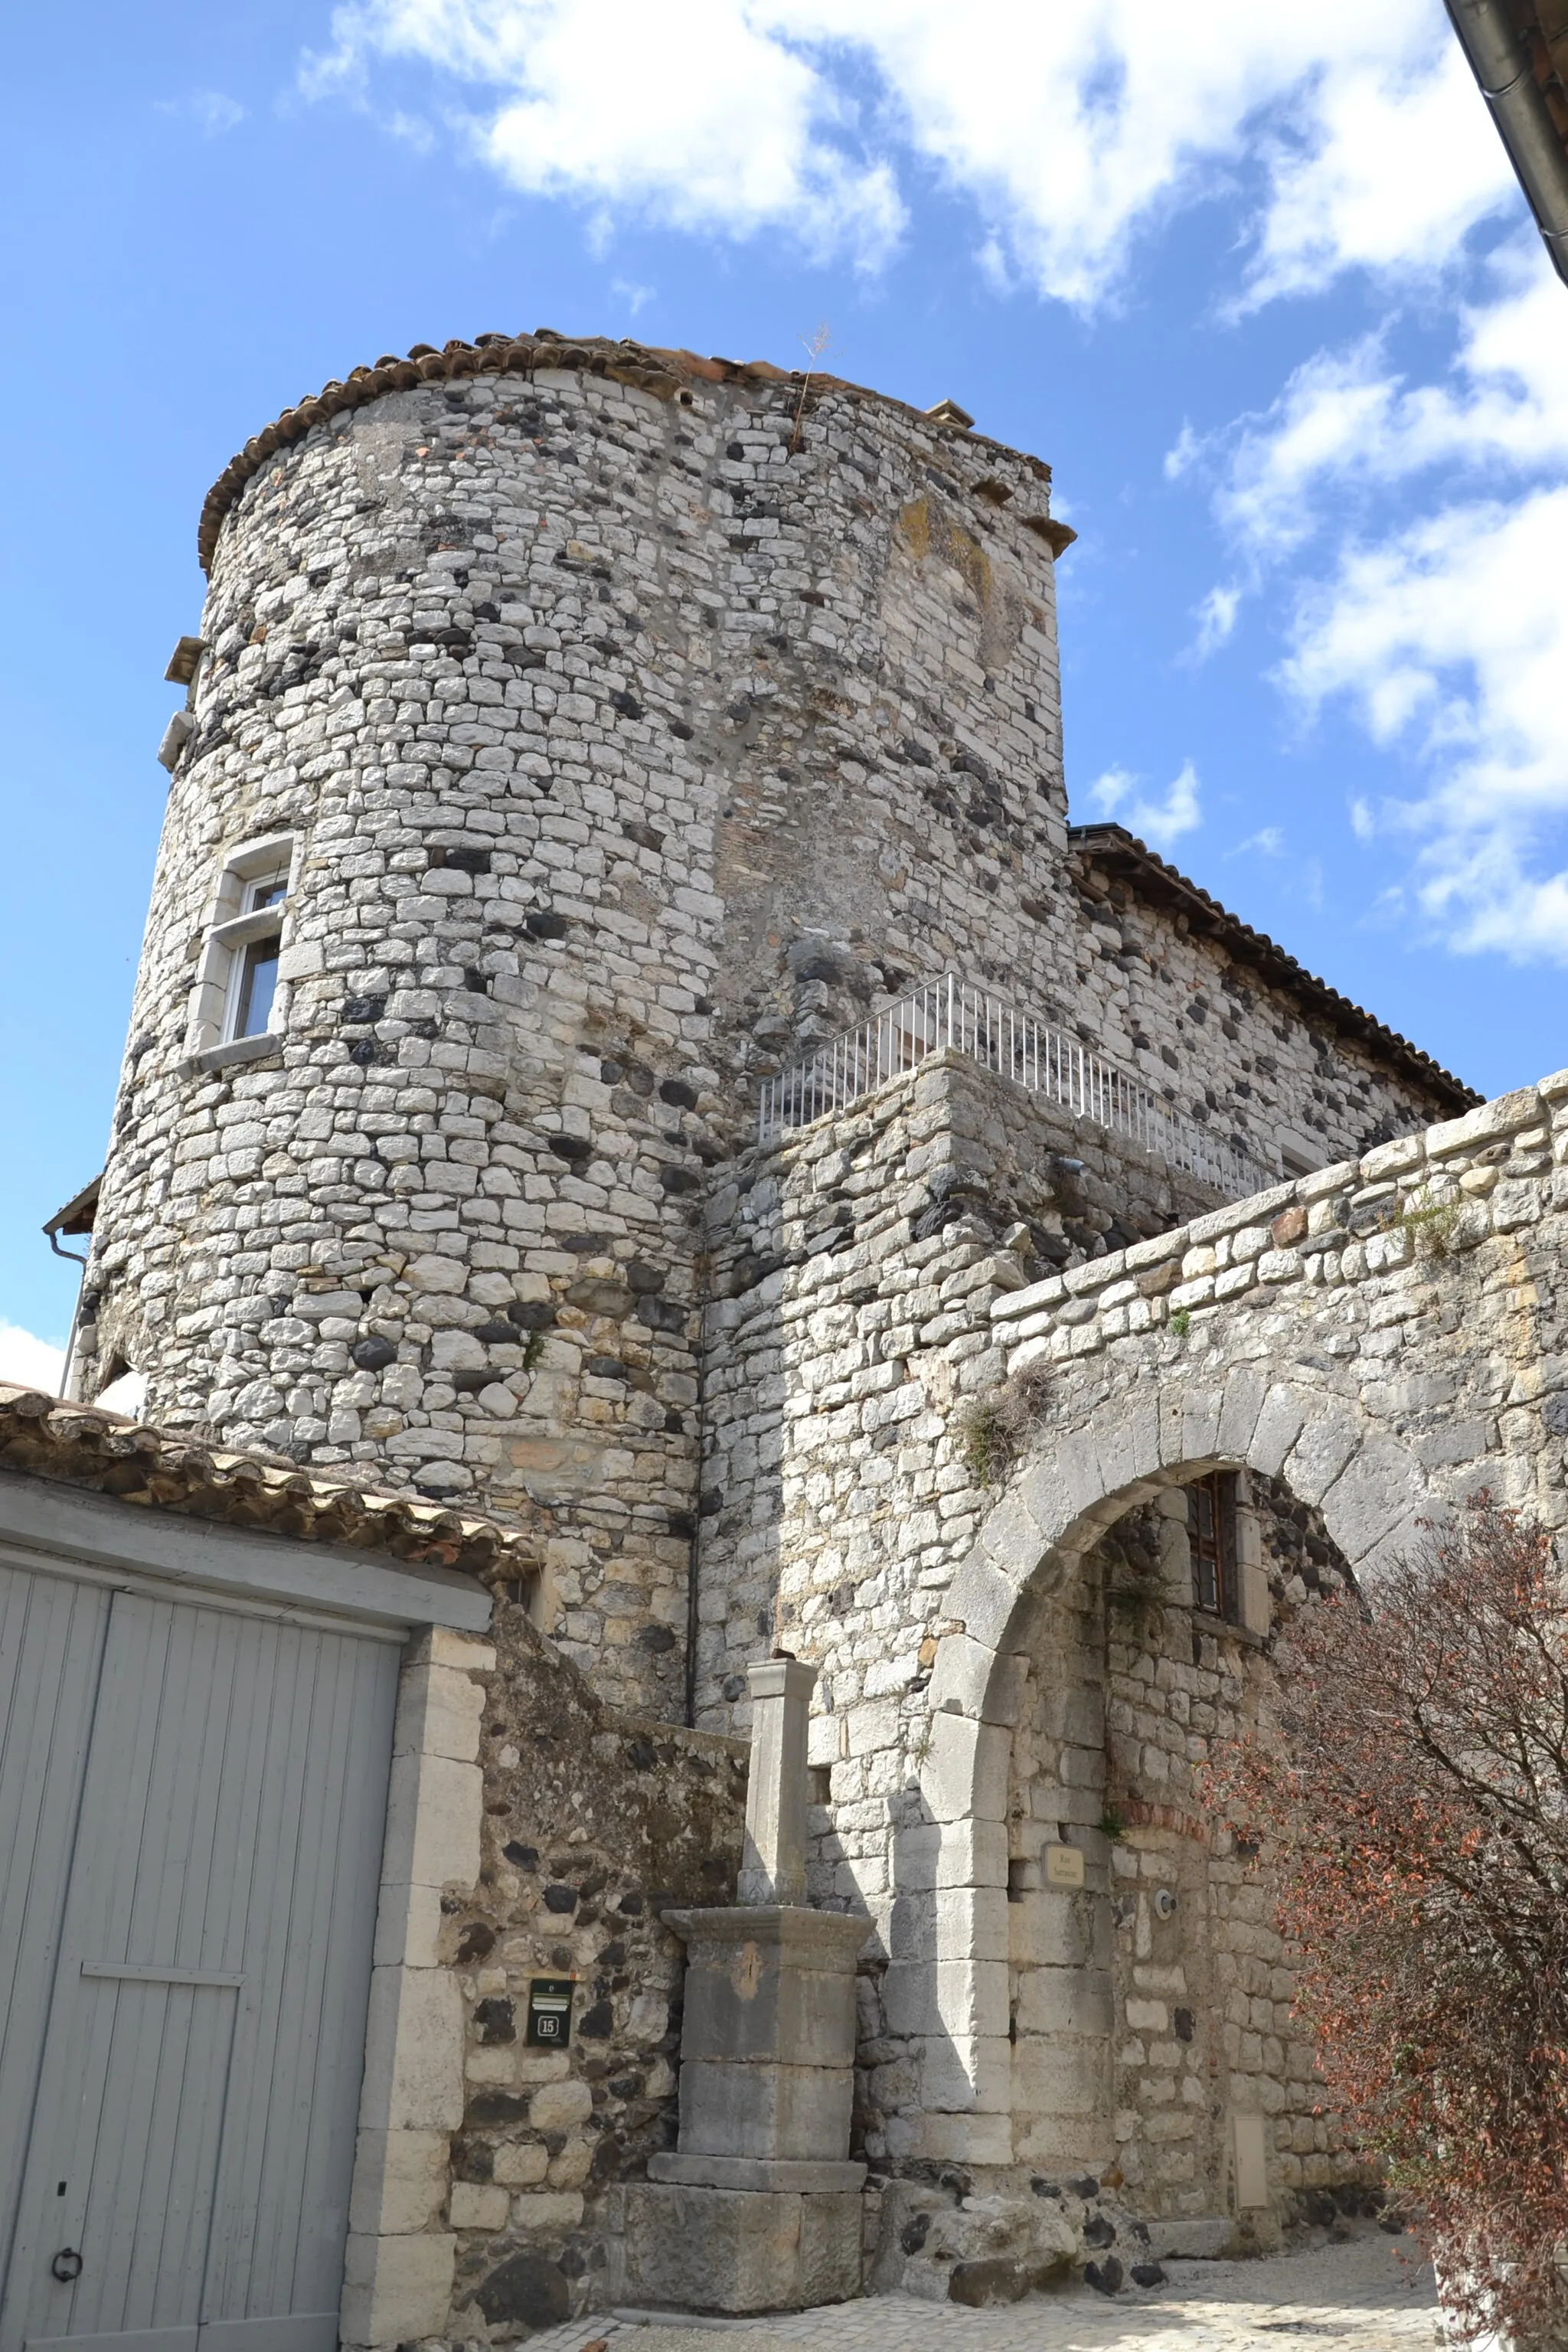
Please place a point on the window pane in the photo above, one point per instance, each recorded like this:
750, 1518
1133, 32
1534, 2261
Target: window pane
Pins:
257, 982
270, 892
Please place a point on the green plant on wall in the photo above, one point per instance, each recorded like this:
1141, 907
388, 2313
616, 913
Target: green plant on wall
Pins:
1181, 1323
1432, 1228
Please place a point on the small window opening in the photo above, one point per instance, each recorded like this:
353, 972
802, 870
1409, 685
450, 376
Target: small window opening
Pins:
1211, 1534
255, 978
236, 997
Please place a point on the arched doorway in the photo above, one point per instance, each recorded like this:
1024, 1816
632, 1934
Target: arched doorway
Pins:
1136, 2023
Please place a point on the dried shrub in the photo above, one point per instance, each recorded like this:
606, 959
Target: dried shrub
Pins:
997, 1430
1413, 1801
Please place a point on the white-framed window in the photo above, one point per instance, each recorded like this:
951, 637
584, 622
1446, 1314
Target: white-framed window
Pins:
235, 1001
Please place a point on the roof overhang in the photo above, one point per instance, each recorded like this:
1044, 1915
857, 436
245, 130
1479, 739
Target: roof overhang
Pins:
1518, 51
1149, 878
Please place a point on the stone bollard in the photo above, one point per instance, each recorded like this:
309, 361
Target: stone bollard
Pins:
758, 2208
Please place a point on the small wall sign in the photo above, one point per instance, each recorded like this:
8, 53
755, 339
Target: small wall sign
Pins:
550, 2013
1064, 1866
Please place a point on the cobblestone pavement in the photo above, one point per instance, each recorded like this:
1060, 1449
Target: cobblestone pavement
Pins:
1373, 2295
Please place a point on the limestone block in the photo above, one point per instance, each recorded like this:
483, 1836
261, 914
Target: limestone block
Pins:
407, 1926
773, 1868
556, 2106
399, 2181
963, 1772
960, 2073
953, 2139
1371, 1494
434, 1808
721, 2249
548, 2208
1202, 1409
950, 1922
985, 1593
1243, 1402
950, 1853
1061, 2078
1327, 1440
1279, 1423
1066, 2001
965, 1681
1059, 1931
480, 2205
396, 2289
414, 2051
958, 1997
768, 2110
745, 2002
803, 2174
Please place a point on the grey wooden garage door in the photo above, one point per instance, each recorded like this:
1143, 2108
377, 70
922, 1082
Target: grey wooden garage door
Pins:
192, 1805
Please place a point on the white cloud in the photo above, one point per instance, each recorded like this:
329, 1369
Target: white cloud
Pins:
702, 119
1072, 127
1116, 794
1446, 634
210, 110
1451, 637
1215, 618
1403, 163
1269, 841
1346, 425
31, 1363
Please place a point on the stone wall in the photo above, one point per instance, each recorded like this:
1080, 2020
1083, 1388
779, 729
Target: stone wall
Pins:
1378, 1341
594, 1823
625, 732
848, 1344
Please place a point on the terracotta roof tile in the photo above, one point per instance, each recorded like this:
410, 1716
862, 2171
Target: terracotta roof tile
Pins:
167, 1469
662, 373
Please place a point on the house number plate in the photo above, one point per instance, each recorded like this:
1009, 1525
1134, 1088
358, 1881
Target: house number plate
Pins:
550, 2013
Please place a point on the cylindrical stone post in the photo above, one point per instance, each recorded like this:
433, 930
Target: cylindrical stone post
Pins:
773, 1869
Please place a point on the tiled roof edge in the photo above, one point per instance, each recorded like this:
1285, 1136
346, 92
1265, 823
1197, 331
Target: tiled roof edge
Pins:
662, 373
168, 1469
1113, 846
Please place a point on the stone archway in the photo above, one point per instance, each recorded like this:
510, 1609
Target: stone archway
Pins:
1091, 1471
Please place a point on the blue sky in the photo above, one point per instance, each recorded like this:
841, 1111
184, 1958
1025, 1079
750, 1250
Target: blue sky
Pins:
1257, 282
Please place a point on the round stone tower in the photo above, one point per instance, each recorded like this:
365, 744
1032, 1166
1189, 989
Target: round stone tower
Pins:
578, 732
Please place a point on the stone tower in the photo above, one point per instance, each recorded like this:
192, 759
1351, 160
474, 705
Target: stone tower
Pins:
577, 734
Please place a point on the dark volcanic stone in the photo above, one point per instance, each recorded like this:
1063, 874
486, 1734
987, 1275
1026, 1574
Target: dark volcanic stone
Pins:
527, 2290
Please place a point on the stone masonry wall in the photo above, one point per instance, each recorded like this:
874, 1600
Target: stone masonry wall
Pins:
1207, 1030
1201, 1991
852, 1272
631, 729
594, 1823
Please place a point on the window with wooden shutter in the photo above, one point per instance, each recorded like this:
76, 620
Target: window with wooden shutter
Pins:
1211, 1534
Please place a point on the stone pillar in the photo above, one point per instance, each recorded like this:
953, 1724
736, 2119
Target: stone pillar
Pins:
758, 2208
773, 1868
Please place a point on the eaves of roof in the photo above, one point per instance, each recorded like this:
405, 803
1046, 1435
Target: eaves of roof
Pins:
663, 373
167, 1470
1148, 876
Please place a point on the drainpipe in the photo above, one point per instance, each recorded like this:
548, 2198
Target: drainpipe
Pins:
1500, 63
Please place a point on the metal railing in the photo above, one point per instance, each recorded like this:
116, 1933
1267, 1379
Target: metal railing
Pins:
953, 1012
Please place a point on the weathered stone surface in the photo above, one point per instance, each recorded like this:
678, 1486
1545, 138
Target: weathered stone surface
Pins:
720, 2249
